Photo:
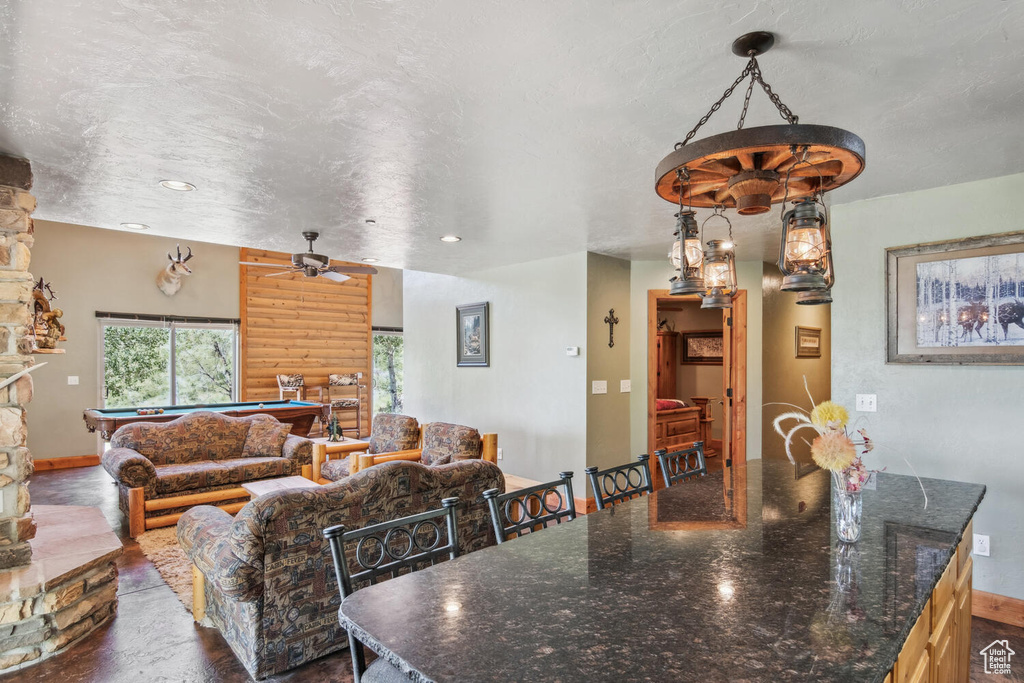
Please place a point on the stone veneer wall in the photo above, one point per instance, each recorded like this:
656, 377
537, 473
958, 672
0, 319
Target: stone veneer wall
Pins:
16, 206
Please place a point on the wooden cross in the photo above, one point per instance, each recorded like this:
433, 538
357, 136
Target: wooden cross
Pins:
612, 322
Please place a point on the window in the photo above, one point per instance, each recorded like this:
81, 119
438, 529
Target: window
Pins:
388, 366
168, 363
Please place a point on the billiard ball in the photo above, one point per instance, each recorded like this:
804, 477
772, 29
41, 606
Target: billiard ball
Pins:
261, 406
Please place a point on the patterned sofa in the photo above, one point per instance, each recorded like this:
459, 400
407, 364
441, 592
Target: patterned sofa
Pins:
160, 467
267, 575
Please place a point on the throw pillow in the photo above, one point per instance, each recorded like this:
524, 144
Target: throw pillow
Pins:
266, 438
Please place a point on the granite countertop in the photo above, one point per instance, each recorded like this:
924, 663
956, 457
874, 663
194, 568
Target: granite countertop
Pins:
734, 578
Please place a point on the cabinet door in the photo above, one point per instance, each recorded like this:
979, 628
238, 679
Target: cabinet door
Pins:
941, 648
922, 674
962, 620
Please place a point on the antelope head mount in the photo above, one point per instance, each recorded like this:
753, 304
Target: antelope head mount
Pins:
169, 279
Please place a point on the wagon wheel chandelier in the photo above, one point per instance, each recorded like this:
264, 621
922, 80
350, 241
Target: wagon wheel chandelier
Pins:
748, 170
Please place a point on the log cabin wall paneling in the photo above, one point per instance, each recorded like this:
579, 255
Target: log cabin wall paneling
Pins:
294, 324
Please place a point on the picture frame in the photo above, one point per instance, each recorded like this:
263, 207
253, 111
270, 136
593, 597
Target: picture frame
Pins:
702, 347
472, 335
808, 342
956, 302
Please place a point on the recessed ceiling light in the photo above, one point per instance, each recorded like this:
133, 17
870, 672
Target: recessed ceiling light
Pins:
451, 238
135, 226
177, 185
370, 221
371, 260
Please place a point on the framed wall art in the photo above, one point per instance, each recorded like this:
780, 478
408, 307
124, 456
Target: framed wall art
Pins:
956, 302
702, 348
472, 335
808, 342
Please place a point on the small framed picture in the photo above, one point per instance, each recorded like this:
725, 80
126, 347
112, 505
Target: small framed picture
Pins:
472, 335
702, 348
808, 342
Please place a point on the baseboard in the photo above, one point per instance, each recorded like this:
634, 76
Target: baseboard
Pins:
998, 608
64, 463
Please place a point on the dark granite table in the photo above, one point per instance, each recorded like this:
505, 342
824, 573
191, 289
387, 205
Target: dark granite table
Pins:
650, 591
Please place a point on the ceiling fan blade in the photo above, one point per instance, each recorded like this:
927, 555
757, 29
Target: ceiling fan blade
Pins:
355, 270
284, 272
335, 277
262, 265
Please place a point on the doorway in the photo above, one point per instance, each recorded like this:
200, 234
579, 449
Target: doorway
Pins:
696, 377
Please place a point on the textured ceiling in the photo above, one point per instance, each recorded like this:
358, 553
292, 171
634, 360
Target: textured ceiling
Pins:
529, 128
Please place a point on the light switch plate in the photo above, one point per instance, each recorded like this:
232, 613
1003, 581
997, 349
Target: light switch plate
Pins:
867, 403
624, 386
500, 455
600, 386
572, 350
72, 380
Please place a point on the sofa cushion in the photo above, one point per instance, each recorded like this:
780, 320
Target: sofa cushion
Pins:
194, 437
391, 432
266, 437
335, 469
196, 475
444, 443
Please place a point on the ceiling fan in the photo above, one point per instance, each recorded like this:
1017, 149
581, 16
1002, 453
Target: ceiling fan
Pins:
311, 264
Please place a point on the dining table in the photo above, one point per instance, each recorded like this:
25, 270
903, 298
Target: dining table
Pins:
736, 576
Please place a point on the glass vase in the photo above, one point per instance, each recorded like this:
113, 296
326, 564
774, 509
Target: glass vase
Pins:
846, 506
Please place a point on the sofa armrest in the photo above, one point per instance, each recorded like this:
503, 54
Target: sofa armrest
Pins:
129, 468
299, 450
204, 533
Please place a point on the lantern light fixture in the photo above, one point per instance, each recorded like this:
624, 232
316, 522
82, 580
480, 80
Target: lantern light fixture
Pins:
719, 268
749, 169
687, 256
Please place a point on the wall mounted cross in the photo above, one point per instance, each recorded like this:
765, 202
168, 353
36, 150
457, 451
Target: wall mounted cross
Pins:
612, 321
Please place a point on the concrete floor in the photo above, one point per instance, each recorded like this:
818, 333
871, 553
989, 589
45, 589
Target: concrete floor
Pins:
153, 638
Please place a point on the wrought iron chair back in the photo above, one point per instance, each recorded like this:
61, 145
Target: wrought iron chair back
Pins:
388, 548
536, 507
623, 482
684, 464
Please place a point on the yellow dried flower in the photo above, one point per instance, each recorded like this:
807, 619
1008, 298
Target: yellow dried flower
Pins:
833, 451
829, 415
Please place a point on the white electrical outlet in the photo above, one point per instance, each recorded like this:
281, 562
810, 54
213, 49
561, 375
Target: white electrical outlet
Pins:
72, 380
600, 386
867, 403
981, 546
624, 386
499, 454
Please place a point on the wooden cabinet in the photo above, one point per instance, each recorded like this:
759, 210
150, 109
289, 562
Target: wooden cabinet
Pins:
938, 649
668, 356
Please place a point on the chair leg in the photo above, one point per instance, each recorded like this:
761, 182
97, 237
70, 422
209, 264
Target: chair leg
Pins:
198, 595
136, 512
358, 658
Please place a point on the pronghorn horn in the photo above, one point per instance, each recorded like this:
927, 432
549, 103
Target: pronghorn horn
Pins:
189, 254
178, 247
170, 257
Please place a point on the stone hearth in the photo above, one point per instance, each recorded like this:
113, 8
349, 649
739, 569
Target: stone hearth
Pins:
68, 590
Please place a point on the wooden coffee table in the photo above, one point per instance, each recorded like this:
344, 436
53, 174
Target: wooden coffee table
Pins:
264, 486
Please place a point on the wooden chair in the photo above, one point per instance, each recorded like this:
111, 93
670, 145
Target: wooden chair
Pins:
408, 543
291, 384
531, 509
684, 464
340, 390
624, 482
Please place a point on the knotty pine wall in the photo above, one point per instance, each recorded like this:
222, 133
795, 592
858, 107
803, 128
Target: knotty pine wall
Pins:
294, 324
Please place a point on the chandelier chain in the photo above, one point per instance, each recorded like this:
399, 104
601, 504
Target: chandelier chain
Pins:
753, 69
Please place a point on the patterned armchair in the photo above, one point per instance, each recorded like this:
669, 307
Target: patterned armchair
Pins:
265, 578
441, 443
388, 433
160, 466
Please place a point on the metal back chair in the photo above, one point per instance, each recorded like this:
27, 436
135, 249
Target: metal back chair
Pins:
295, 384
624, 482
524, 511
684, 464
387, 549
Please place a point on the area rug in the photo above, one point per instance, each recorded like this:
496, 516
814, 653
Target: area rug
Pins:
160, 546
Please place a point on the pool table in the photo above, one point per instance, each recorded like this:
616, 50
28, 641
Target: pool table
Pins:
299, 413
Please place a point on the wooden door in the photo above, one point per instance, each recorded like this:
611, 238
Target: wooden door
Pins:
734, 382
667, 358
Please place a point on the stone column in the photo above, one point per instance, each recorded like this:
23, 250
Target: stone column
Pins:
16, 206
